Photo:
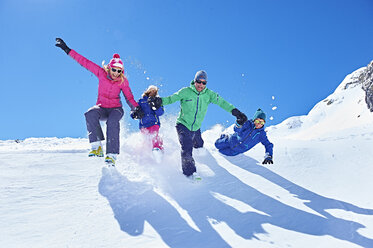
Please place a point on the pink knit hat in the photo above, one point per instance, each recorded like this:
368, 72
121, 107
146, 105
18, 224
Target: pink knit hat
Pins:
116, 62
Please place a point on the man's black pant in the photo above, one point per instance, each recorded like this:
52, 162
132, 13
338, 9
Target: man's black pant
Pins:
188, 140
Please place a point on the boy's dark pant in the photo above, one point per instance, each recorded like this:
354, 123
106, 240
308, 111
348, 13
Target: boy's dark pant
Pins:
222, 142
112, 116
224, 146
188, 139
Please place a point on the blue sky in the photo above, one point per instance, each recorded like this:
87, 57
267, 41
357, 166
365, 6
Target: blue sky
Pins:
297, 51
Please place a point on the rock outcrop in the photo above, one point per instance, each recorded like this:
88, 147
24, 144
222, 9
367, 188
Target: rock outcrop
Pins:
367, 85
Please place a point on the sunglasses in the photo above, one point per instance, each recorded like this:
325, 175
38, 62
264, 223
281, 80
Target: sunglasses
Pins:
201, 82
116, 70
259, 122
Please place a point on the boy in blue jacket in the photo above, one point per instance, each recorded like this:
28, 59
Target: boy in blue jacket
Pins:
149, 124
245, 137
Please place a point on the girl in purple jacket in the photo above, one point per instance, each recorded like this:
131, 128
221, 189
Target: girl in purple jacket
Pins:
111, 82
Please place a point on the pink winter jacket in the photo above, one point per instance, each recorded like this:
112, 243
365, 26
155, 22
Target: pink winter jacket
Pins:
108, 90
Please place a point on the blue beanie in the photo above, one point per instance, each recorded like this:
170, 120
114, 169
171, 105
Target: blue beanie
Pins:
259, 114
200, 75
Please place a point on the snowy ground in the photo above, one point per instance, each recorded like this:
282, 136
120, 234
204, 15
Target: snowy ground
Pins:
317, 194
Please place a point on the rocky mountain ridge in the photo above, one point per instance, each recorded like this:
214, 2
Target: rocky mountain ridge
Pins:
367, 84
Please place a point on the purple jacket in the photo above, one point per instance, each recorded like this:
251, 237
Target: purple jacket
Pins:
108, 89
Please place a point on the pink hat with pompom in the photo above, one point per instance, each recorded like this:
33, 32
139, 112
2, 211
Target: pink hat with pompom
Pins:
116, 62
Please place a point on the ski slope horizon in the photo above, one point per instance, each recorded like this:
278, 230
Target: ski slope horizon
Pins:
316, 194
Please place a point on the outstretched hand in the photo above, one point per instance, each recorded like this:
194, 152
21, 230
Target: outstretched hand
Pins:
268, 160
241, 117
155, 102
61, 44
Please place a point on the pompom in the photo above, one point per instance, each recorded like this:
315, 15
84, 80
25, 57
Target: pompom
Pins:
116, 61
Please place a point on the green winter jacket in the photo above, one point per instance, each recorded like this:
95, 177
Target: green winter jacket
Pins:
194, 105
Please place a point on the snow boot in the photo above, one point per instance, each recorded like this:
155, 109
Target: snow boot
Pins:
195, 177
110, 159
96, 152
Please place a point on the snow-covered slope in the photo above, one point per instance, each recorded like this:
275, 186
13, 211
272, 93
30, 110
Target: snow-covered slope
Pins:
317, 193
343, 113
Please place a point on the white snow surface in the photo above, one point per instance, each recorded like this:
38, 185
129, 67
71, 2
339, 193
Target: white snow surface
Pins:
316, 194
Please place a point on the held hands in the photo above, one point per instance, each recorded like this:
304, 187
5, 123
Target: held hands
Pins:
268, 160
137, 113
241, 117
61, 44
155, 102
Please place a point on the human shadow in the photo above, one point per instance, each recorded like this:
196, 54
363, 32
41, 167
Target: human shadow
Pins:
286, 216
133, 203
314, 201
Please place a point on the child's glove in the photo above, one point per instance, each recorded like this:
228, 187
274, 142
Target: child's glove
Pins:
137, 113
61, 44
241, 117
155, 102
268, 160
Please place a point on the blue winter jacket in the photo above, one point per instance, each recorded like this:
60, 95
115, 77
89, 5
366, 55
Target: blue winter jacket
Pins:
151, 116
246, 137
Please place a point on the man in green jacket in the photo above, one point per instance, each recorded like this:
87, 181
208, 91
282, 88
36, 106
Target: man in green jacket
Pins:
194, 101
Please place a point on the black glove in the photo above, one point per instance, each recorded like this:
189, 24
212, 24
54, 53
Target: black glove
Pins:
155, 102
137, 113
61, 44
241, 117
268, 160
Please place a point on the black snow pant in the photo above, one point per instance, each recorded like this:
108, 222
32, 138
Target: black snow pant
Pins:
188, 140
112, 116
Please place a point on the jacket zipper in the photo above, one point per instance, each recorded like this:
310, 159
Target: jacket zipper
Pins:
239, 143
195, 116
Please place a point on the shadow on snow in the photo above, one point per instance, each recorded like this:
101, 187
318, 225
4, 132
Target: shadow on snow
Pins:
133, 203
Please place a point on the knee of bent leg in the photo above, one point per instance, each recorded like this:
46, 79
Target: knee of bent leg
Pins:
91, 114
221, 142
199, 144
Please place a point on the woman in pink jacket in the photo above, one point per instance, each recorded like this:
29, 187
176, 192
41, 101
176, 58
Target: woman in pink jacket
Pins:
111, 81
